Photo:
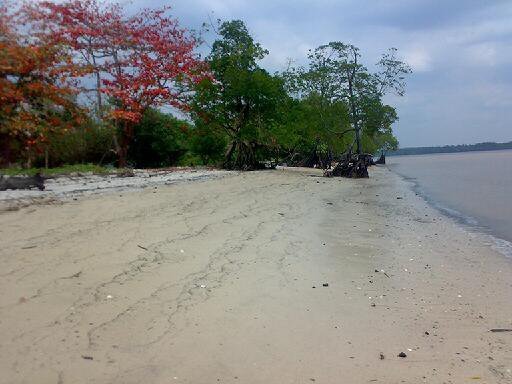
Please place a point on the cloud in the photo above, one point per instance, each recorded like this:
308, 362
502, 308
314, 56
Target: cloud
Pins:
419, 59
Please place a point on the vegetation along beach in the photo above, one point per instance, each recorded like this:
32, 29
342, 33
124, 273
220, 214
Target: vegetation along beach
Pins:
206, 192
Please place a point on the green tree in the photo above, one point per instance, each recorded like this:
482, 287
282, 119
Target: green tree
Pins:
242, 101
308, 133
335, 73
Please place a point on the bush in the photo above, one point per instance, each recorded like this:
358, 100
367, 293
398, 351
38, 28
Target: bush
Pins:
207, 145
90, 143
159, 141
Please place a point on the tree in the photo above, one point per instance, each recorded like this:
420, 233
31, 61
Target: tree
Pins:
335, 72
242, 100
79, 25
327, 117
139, 61
37, 94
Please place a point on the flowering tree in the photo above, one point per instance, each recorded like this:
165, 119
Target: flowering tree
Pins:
139, 61
36, 89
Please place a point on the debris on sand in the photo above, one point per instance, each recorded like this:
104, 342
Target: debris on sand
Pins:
402, 355
70, 186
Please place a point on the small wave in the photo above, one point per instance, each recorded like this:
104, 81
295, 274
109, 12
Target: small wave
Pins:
502, 246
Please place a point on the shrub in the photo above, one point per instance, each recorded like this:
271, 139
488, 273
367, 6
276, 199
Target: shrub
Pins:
159, 140
89, 143
209, 146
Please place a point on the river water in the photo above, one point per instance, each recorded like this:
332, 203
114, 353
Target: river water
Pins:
473, 187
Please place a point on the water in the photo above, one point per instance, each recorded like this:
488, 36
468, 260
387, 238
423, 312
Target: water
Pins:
474, 187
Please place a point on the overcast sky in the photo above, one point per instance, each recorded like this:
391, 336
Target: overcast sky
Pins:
460, 51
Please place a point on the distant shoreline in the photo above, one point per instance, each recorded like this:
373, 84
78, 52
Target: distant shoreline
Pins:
489, 146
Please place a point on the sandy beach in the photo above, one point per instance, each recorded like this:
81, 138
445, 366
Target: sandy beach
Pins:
263, 277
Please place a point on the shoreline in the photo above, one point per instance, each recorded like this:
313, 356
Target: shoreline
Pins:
467, 222
264, 277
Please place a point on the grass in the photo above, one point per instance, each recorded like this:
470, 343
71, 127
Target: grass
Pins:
64, 170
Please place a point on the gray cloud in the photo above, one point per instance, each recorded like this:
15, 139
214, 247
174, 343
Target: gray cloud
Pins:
461, 90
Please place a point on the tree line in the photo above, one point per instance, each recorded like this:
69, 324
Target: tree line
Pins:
487, 146
84, 81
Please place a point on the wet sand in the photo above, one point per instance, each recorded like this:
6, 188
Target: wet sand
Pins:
222, 281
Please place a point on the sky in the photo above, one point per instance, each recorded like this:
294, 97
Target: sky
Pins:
460, 51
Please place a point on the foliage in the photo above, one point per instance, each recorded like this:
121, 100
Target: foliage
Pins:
159, 140
377, 120
37, 95
85, 143
141, 61
207, 144
242, 102
84, 81
335, 75
308, 133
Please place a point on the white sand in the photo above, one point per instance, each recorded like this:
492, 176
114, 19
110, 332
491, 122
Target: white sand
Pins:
212, 281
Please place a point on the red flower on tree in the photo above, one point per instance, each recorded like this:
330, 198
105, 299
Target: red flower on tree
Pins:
36, 92
140, 61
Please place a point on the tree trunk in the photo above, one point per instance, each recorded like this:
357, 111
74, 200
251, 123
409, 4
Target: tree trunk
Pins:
99, 106
229, 155
122, 157
46, 158
123, 144
353, 108
29, 158
240, 155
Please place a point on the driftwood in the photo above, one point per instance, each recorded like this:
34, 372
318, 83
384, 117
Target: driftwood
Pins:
352, 166
22, 182
126, 172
